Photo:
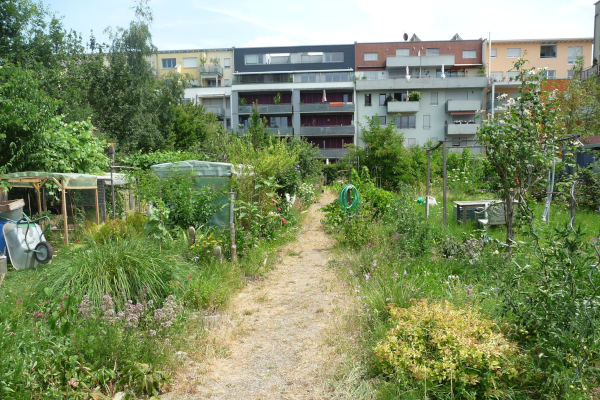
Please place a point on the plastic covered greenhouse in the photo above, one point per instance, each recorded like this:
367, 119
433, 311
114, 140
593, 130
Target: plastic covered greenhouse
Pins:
205, 173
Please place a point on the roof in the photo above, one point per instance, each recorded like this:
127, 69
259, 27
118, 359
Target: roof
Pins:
550, 40
192, 51
196, 168
69, 181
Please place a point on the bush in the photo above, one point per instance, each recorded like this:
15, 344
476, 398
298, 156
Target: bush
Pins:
457, 349
414, 96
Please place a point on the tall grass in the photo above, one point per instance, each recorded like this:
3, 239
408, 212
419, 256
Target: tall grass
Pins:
121, 268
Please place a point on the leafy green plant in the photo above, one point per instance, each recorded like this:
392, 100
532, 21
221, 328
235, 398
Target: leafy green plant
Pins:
243, 101
455, 350
143, 379
277, 98
414, 96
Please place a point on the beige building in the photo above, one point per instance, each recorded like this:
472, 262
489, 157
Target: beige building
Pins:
206, 68
557, 55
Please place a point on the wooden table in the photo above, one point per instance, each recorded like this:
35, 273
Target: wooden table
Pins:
462, 206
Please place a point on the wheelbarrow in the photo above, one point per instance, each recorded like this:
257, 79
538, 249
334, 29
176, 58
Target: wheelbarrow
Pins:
26, 243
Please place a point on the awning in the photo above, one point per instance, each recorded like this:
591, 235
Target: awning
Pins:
463, 113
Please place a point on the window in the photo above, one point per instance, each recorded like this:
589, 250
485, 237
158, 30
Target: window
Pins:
168, 63
434, 98
187, 101
251, 59
570, 73
367, 100
337, 56
226, 82
548, 51
469, 53
406, 122
496, 76
382, 100
381, 119
433, 52
575, 52
190, 62
493, 53
402, 52
426, 121
550, 74
371, 56
411, 141
227, 63
149, 64
513, 53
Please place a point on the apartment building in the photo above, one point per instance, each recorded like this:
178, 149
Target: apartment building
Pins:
558, 56
597, 33
305, 91
448, 74
209, 73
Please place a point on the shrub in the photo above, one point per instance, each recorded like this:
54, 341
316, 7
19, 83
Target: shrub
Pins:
120, 268
130, 226
414, 96
456, 348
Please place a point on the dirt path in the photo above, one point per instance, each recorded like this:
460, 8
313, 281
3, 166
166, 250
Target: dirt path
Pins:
275, 342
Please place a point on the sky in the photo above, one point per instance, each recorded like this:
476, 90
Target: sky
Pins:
203, 24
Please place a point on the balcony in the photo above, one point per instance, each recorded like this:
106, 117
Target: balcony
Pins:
394, 107
400, 83
283, 131
499, 105
463, 105
345, 130
326, 107
211, 70
267, 109
218, 111
333, 153
462, 129
422, 61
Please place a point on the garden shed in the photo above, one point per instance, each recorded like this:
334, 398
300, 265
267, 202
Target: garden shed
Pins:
204, 173
64, 181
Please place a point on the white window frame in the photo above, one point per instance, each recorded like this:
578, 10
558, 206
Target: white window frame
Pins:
227, 63
398, 51
428, 117
468, 52
432, 51
368, 57
437, 99
249, 56
569, 51
494, 53
513, 56
189, 59
411, 141
548, 76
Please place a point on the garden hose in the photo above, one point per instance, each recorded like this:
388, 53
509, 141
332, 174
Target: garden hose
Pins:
353, 207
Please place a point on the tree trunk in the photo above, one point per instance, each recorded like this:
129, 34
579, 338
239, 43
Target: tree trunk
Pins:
509, 211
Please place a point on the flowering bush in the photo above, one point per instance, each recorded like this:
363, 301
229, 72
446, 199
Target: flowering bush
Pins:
457, 349
306, 193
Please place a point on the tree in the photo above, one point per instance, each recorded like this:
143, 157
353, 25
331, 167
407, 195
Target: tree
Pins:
257, 129
132, 106
193, 126
520, 142
384, 149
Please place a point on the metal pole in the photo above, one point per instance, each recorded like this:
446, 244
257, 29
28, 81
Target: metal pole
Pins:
427, 185
445, 182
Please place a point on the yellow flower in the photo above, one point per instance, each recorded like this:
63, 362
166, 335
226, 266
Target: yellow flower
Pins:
191, 247
213, 241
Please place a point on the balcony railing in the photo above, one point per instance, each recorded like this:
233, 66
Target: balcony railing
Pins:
403, 107
211, 69
462, 129
593, 71
327, 130
416, 77
326, 107
284, 131
333, 153
463, 105
267, 109
218, 111
419, 61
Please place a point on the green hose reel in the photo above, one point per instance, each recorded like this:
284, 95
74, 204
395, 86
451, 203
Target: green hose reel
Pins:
351, 208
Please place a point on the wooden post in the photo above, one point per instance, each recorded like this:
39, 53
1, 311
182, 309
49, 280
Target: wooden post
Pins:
427, 185
97, 205
232, 228
445, 172
39, 198
64, 211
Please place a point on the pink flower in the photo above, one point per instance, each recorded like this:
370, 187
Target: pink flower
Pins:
278, 209
195, 290
189, 277
19, 301
283, 220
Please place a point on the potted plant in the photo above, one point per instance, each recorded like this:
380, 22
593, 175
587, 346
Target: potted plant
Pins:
277, 98
243, 101
414, 96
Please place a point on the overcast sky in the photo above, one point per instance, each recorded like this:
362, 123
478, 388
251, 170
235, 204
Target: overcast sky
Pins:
195, 24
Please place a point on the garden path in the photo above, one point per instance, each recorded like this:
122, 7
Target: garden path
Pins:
280, 335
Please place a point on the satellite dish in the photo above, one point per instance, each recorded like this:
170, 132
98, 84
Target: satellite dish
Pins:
405, 36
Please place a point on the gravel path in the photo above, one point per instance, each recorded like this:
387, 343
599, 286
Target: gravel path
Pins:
276, 340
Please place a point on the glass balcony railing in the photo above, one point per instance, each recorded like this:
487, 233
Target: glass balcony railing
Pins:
327, 130
333, 153
267, 109
211, 69
327, 107
218, 111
